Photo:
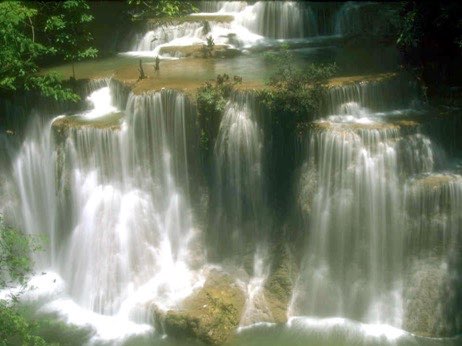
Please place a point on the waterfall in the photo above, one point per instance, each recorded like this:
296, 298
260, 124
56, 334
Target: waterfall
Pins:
381, 95
351, 228
34, 176
348, 19
279, 19
358, 158
242, 25
239, 177
173, 34
117, 212
355, 247
434, 203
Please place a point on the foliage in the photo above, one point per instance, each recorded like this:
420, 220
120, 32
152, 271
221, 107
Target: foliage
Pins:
67, 29
207, 49
15, 265
15, 330
211, 102
294, 95
206, 27
144, 9
20, 53
429, 39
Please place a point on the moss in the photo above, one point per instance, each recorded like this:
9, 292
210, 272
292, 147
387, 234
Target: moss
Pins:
278, 287
335, 82
154, 23
351, 127
60, 333
436, 180
63, 124
211, 314
423, 294
196, 51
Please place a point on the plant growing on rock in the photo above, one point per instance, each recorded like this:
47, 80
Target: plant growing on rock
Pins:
207, 49
15, 265
211, 102
294, 95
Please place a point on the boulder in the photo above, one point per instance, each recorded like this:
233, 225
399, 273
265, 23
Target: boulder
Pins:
278, 287
211, 314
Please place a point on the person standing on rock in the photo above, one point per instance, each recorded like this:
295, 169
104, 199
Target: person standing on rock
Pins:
157, 64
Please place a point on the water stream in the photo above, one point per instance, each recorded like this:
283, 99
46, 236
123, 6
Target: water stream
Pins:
133, 222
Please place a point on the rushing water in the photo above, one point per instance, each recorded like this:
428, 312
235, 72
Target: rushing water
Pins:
135, 218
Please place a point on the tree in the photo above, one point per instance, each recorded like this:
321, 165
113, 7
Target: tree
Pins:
294, 95
144, 9
67, 29
20, 52
15, 266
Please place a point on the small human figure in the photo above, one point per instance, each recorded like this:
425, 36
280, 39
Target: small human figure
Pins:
141, 71
157, 65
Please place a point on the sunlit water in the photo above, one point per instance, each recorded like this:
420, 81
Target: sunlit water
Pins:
120, 205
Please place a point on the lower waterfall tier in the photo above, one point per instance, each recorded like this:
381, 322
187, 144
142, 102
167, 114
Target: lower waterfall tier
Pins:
146, 236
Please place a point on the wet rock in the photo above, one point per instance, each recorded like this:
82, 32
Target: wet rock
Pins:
423, 297
197, 51
111, 121
211, 314
278, 287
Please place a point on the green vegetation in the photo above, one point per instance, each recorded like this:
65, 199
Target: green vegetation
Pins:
145, 9
207, 49
15, 265
211, 102
67, 30
294, 95
21, 53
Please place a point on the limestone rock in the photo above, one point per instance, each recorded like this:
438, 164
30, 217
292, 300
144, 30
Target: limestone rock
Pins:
278, 287
211, 314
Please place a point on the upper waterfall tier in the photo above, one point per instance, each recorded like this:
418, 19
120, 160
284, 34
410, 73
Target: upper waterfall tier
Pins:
388, 93
243, 25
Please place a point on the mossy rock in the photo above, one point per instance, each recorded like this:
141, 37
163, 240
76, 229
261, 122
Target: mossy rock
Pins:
197, 51
111, 121
279, 286
211, 314
423, 297
196, 18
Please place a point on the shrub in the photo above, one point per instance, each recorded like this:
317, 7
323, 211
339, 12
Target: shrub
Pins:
211, 102
294, 95
15, 266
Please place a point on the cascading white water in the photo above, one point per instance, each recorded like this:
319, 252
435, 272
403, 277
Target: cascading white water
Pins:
382, 95
126, 229
239, 176
34, 174
279, 19
358, 159
434, 203
251, 25
348, 19
255, 24
354, 254
183, 34
239, 224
